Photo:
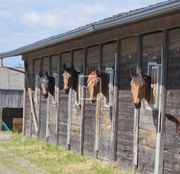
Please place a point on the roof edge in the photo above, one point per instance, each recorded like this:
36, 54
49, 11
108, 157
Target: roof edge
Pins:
162, 8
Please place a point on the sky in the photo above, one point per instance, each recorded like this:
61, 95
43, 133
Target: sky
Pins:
25, 21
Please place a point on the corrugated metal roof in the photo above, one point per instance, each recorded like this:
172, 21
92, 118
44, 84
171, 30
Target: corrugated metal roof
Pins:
116, 20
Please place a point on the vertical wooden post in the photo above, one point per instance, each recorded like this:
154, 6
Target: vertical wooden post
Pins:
83, 108
24, 103
161, 121
137, 112
48, 106
114, 130
98, 107
1, 62
69, 113
1, 118
39, 119
58, 101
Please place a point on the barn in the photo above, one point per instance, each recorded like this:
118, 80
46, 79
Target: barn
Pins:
144, 139
11, 98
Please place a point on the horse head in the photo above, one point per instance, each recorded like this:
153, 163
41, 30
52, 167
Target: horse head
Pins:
47, 84
70, 78
140, 87
97, 83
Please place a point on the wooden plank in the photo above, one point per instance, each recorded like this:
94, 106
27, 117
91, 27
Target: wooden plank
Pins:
137, 113
58, 101
47, 106
31, 98
162, 107
114, 128
69, 112
1, 116
83, 108
24, 104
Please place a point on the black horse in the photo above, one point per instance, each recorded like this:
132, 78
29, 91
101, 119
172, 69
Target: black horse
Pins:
47, 84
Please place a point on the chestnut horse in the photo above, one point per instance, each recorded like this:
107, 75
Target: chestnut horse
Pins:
47, 84
70, 78
97, 82
140, 88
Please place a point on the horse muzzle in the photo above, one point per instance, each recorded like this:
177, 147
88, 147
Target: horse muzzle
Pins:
137, 105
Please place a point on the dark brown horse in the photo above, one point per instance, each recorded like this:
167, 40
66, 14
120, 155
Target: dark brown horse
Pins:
176, 120
47, 84
140, 87
70, 78
97, 82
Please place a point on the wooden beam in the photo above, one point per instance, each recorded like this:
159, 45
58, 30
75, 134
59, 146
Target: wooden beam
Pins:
1, 118
24, 105
69, 112
83, 107
162, 107
58, 101
32, 107
137, 111
114, 129
48, 105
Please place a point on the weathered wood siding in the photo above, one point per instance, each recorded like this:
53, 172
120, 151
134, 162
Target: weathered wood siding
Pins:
105, 118
172, 141
90, 109
65, 58
78, 61
100, 51
152, 52
128, 59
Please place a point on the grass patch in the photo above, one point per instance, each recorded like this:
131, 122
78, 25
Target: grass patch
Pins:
53, 159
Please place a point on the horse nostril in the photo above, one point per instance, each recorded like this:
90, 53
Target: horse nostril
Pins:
137, 105
45, 95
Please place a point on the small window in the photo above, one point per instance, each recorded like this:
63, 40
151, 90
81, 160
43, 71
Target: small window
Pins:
36, 98
54, 97
154, 70
110, 72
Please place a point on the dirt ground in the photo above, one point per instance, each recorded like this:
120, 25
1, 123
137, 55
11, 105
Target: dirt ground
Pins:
11, 164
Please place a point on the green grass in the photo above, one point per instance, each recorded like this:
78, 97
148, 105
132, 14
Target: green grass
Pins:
53, 159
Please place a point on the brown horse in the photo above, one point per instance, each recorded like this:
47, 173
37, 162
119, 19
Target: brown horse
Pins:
70, 78
47, 84
97, 82
140, 88
175, 120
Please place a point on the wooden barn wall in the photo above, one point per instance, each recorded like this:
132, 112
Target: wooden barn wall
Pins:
172, 140
63, 120
100, 55
36, 92
128, 59
28, 118
105, 120
78, 62
90, 108
43, 134
151, 52
52, 106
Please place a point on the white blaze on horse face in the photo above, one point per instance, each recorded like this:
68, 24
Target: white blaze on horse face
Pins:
135, 93
66, 79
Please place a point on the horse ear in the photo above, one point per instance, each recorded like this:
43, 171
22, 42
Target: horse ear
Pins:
64, 66
40, 74
142, 72
132, 72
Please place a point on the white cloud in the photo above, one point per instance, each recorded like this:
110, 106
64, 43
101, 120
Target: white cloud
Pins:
28, 21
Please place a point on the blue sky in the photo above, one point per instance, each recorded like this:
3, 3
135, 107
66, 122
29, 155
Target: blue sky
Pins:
25, 21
